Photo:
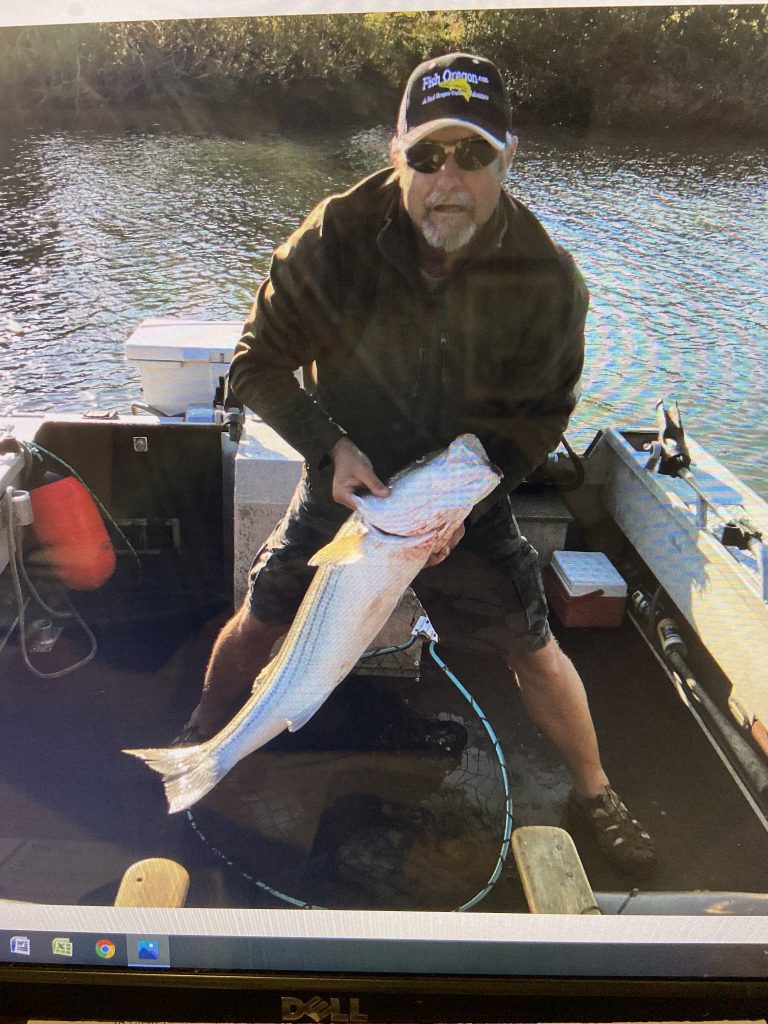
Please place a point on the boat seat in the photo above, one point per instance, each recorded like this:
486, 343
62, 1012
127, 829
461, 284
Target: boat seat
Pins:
553, 877
155, 882
544, 520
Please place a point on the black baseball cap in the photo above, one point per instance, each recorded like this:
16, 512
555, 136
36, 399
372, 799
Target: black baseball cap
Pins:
457, 89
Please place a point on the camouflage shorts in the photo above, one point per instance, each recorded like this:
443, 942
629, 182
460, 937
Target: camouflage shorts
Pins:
487, 594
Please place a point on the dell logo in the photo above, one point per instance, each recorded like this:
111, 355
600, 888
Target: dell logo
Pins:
320, 1010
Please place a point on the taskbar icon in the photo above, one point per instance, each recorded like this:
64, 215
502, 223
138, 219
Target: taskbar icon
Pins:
105, 949
21, 945
148, 951
62, 946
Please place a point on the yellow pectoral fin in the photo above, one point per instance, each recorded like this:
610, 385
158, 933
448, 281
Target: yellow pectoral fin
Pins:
341, 551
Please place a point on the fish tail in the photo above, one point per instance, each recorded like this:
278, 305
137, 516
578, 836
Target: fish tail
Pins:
188, 772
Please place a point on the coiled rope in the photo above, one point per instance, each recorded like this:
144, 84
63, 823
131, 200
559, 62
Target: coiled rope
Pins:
19, 571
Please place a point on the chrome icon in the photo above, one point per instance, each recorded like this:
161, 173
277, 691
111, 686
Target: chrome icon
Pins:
105, 949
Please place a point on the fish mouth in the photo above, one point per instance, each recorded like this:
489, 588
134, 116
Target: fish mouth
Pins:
404, 536
388, 533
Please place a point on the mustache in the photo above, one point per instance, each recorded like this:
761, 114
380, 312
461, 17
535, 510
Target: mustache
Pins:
449, 197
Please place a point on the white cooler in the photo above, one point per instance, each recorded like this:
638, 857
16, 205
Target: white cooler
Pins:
180, 361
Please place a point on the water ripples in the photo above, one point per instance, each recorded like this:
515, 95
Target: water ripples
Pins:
100, 231
673, 246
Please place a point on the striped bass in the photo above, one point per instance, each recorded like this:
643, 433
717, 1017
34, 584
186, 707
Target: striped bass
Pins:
360, 577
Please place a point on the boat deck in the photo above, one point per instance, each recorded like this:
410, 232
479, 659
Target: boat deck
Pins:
391, 797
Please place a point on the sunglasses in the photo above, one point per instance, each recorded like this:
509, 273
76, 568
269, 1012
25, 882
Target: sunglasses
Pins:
470, 154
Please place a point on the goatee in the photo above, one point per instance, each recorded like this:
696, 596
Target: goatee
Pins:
447, 234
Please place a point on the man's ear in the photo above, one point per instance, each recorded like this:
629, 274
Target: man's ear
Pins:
396, 153
508, 153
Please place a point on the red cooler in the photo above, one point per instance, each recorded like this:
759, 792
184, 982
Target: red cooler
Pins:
585, 589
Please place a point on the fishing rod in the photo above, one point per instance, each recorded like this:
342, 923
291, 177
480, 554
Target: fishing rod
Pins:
670, 456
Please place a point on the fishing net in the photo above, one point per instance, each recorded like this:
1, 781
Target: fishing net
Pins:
394, 796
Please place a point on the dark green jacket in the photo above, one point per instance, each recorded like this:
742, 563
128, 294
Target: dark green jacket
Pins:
402, 370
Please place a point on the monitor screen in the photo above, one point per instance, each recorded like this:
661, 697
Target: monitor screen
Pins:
383, 595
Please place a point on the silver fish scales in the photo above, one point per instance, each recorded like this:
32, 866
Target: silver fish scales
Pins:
361, 576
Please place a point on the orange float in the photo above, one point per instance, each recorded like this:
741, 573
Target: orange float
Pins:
75, 541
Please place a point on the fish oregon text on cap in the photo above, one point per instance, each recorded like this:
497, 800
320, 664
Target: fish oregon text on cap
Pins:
457, 89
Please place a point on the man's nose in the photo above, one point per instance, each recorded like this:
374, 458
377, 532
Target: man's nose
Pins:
450, 171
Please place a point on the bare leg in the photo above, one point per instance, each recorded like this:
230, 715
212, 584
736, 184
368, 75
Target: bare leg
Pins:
242, 649
554, 697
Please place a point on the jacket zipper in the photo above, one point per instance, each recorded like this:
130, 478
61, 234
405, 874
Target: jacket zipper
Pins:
445, 373
419, 375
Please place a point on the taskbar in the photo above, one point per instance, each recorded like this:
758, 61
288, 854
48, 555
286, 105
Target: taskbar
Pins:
248, 953
85, 949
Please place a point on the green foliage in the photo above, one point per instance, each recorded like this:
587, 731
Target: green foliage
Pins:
698, 66
42, 65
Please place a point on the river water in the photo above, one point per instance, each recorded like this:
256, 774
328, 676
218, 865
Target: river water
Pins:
101, 229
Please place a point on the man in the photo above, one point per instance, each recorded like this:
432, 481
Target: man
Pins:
430, 303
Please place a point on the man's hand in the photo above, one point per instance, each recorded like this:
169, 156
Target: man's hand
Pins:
353, 469
442, 553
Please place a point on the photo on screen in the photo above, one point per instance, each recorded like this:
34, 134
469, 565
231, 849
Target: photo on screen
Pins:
526, 677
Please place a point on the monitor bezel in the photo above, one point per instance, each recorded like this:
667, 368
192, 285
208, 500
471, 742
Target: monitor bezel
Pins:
116, 994
78, 992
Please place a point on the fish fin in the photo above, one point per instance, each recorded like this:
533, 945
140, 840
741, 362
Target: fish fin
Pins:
188, 772
340, 551
304, 716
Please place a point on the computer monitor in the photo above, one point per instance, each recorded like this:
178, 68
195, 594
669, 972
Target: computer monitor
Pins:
410, 851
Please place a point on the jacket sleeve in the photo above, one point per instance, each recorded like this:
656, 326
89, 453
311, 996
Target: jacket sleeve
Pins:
521, 438
294, 316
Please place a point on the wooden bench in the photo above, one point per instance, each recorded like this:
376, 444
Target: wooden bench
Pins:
155, 882
553, 877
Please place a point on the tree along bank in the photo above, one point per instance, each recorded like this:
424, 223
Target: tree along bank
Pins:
687, 67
